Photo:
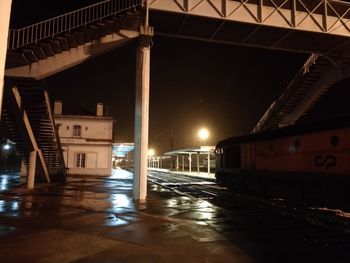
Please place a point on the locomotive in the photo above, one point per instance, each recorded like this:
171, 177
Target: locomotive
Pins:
309, 162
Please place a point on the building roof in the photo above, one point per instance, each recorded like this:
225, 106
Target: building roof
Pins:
201, 149
92, 117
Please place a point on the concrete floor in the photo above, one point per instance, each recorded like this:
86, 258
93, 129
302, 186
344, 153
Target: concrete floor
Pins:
93, 219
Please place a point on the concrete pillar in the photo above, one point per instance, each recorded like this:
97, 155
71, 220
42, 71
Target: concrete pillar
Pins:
5, 13
31, 170
142, 114
190, 163
208, 162
197, 162
57, 108
177, 163
24, 173
183, 163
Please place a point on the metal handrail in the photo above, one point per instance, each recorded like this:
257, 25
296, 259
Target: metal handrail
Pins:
66, 22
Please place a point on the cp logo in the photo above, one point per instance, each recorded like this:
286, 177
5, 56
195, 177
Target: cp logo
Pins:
325, 161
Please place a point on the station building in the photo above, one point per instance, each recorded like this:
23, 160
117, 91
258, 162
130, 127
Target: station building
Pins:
86, 141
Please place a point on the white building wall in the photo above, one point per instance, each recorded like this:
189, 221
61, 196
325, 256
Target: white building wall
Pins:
95, 142
90, 129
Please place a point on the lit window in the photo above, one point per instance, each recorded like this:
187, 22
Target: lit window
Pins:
76, 131
81, 160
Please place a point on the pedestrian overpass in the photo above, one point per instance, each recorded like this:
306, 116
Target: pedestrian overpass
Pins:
319, 27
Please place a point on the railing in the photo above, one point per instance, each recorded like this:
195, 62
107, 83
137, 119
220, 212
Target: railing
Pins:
310, 62
65, 23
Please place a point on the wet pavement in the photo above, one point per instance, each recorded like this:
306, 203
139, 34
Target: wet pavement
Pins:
93, 219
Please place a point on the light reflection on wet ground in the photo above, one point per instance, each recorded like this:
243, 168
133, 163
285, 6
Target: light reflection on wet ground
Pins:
95, 215
9, 180
103, 201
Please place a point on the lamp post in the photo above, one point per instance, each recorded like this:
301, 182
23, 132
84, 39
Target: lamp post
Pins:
203, 134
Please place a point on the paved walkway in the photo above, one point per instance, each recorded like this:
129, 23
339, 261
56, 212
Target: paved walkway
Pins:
93, 219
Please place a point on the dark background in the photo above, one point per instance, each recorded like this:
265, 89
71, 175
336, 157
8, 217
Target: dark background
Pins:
193, 84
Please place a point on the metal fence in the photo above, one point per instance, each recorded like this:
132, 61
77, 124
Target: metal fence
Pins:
65, 23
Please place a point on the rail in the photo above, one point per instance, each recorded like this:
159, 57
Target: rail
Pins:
66, 22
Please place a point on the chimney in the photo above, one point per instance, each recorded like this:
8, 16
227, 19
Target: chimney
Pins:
99, 109
57, 107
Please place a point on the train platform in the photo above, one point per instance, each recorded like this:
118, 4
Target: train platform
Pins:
93, 219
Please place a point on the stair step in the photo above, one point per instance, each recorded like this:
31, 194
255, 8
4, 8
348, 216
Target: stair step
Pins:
55, 45
46, 47
38, 51
95, 32
79, 36
63, 43
29, 54
72, 41
16, 59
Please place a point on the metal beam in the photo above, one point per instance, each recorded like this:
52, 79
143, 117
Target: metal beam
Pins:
327, 16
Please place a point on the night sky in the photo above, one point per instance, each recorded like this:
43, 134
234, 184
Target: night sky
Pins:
193, 84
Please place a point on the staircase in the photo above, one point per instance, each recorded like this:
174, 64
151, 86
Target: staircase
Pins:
63, 33
308, 86
27, 113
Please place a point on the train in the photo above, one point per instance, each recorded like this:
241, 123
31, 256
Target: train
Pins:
305, 162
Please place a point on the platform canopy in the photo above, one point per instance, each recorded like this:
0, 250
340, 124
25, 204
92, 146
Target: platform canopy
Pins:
201, 149
122, 149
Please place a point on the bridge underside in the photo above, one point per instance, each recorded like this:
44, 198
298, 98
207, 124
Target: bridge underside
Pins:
272, 27
74, 56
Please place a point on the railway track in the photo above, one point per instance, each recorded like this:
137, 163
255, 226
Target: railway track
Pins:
321, 230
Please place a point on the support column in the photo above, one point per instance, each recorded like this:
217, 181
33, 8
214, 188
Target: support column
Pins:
197, 162
5, 13
142, 113
190, 163
24, 173
31, 170
208, 162
183, 163
177, 163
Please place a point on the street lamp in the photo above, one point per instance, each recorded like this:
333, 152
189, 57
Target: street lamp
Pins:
6, 149
203, 134
151, 152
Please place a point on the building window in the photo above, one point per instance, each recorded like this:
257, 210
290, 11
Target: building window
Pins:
76, 131
81, 160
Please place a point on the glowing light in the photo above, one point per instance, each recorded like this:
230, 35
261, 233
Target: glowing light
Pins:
151, 152
203, 134
6, 147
